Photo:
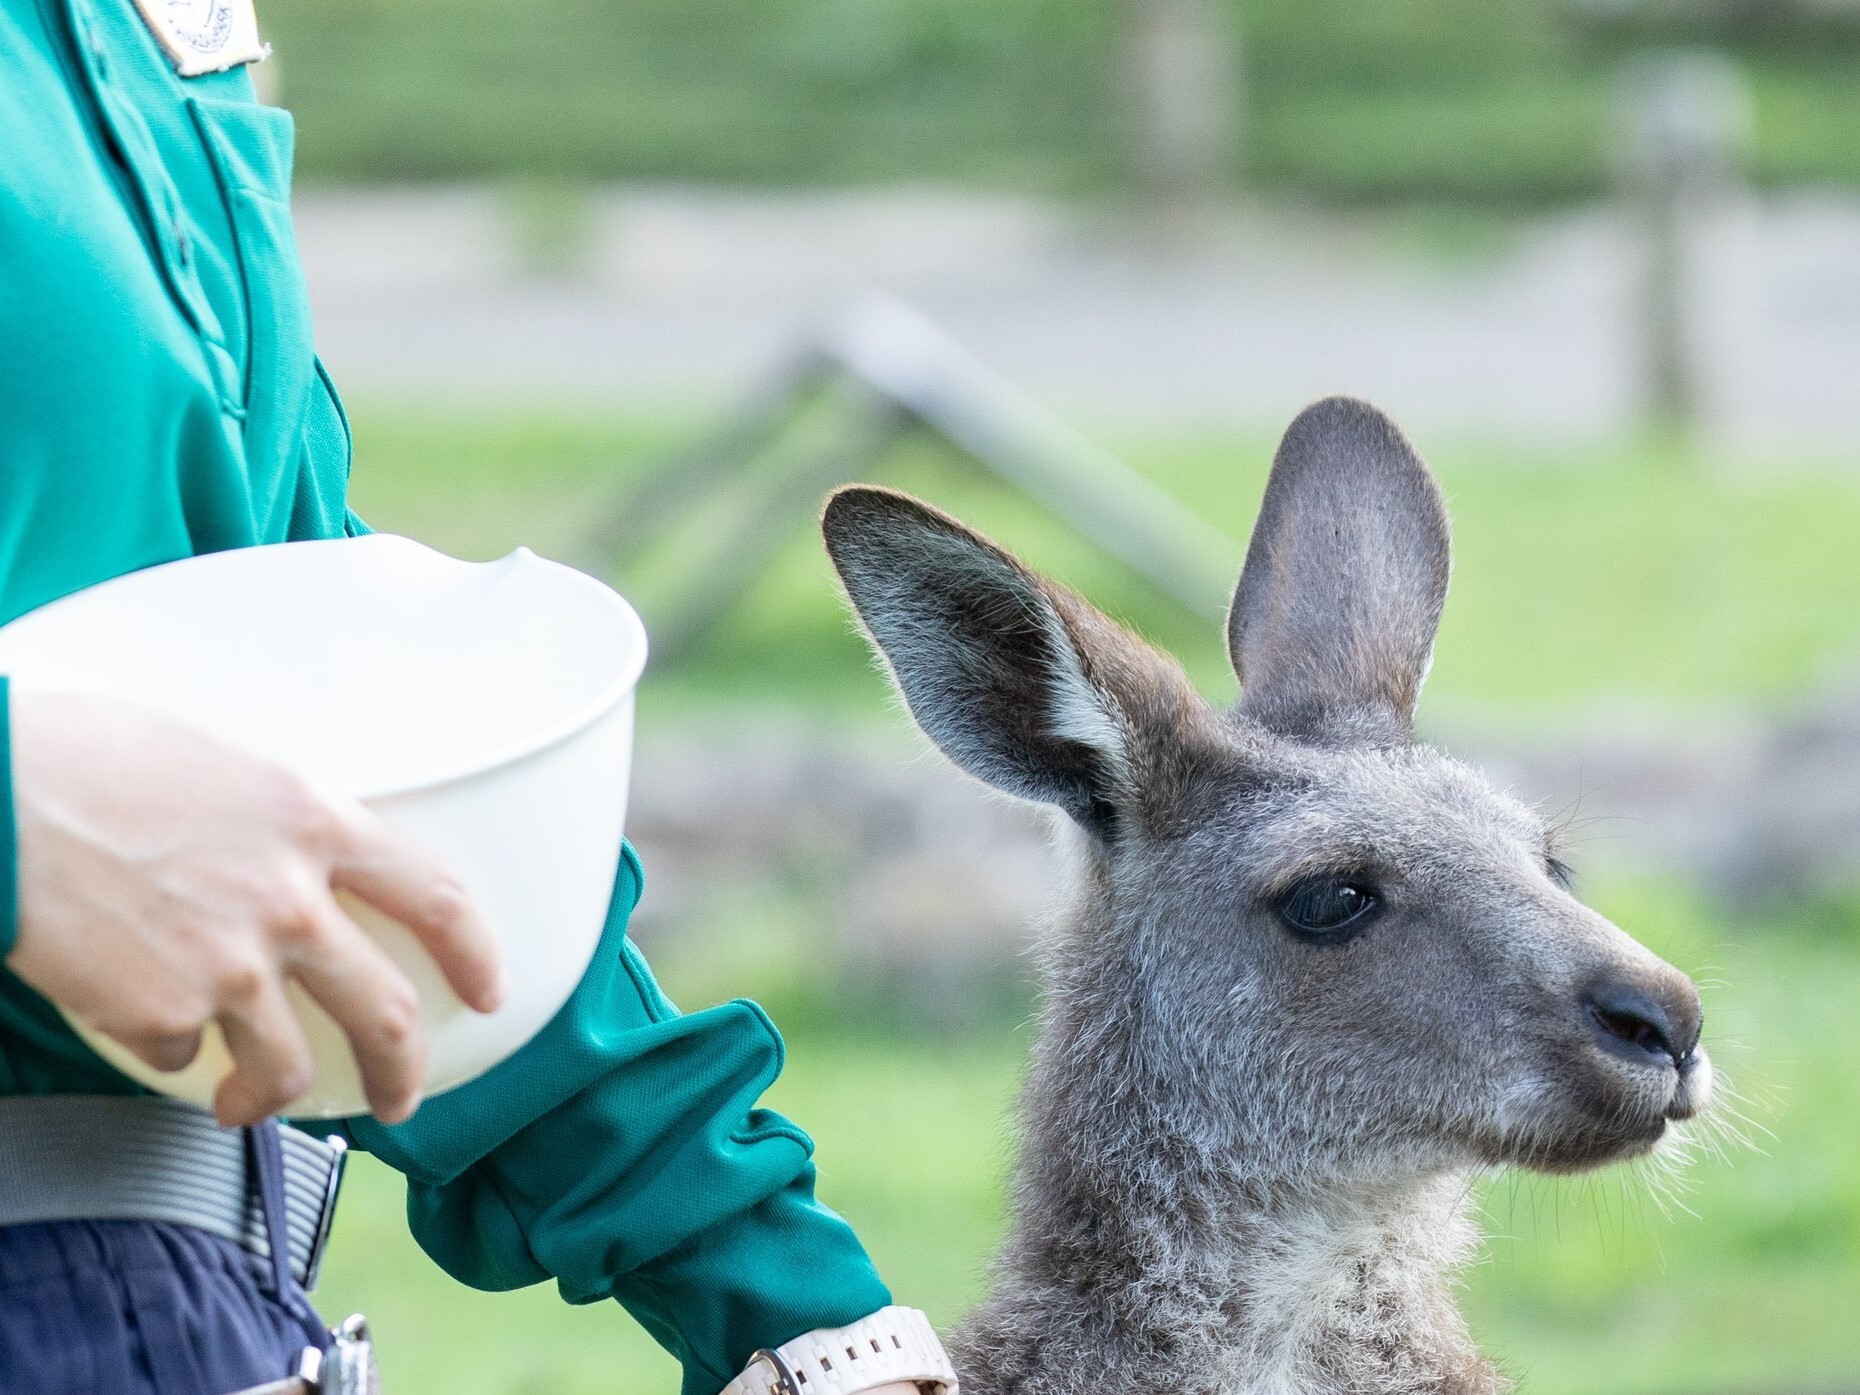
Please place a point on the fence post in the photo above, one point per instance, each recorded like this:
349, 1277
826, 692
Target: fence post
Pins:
1183, 78
1685, 129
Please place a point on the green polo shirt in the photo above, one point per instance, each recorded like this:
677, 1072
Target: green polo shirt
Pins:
159, 398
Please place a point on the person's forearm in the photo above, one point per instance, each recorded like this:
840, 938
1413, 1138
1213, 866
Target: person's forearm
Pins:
622, 1153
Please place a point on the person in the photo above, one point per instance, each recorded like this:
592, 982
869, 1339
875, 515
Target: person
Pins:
160, 397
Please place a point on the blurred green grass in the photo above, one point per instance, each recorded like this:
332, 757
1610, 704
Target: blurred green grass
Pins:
1456, 100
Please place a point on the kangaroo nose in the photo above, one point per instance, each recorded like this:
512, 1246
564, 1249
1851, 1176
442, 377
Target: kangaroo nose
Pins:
1631, 1020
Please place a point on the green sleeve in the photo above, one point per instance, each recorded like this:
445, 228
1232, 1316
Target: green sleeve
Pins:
621, 1153
9, 831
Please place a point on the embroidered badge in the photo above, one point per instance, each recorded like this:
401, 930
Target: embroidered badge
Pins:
205, 36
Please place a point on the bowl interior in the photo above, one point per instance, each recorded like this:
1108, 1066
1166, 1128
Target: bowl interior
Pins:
373, 665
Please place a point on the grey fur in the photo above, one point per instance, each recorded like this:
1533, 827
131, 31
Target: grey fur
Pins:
1245, 1156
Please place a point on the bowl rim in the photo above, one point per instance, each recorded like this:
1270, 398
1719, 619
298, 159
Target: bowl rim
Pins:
632, 629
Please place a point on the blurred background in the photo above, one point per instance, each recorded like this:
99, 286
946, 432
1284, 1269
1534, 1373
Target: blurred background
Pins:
634, 282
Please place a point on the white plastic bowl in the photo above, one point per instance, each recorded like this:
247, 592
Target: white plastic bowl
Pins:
485, 708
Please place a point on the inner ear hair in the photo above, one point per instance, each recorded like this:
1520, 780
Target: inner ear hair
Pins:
1014, 679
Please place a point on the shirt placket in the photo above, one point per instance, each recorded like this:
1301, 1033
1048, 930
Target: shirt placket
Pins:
165, 224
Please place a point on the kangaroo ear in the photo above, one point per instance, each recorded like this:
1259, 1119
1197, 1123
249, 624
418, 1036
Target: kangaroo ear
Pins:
991, 660
1333, 623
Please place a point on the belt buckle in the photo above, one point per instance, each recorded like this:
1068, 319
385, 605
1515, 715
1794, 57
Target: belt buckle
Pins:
348, 1366
326, 1216
785, 1381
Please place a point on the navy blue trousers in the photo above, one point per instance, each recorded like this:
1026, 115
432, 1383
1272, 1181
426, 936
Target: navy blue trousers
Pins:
140, 1308
148, 1308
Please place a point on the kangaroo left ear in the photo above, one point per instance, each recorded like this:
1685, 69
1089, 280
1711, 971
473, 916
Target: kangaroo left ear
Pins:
978, 649
1016, 680
1333, 623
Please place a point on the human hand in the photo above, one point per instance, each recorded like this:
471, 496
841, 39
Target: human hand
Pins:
168, 880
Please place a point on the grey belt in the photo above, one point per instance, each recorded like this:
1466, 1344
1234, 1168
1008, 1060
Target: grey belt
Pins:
146, 1158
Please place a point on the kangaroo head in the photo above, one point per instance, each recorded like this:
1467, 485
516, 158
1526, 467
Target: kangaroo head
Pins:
1304, 941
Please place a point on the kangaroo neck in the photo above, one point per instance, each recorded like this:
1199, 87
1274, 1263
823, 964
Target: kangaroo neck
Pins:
1180, 1268
1352, 1293
1171, 1286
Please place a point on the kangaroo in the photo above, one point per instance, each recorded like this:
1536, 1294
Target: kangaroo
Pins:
1310, 975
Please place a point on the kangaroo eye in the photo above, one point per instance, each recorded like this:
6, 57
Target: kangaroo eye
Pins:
1320, 908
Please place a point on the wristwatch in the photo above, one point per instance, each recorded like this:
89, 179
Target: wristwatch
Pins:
893, 1344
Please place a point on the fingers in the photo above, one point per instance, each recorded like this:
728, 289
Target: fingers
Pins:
272, 1065
169, 1053
373, 1002
397, 875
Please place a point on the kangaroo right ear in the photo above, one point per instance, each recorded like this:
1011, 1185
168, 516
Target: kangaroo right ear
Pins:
977, 645
1333, 623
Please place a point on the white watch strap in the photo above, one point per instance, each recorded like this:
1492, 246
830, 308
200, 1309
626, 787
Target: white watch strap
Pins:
893, 1344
